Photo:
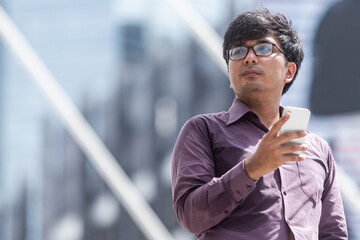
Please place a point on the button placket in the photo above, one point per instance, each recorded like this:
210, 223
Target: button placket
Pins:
284, 194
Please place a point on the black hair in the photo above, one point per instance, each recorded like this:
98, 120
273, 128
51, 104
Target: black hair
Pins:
257, 24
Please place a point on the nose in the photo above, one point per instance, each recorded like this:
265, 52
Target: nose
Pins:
251, 58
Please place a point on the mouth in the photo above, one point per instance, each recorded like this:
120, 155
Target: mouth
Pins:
251, 73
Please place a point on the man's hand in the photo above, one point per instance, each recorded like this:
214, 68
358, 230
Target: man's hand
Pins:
272, 151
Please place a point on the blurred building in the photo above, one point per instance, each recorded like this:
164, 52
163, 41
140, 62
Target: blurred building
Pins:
136, 85
137, 76
2, 170
1, 136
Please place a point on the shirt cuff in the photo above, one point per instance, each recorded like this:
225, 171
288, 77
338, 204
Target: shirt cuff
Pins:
239, 183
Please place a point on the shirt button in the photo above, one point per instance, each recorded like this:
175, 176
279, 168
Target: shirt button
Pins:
289, 222
226, 211
249, 188
284, 193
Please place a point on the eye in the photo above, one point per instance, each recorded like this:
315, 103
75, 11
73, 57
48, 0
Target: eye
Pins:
239, 51
263, 49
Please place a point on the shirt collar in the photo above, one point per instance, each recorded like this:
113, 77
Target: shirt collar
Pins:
237, 110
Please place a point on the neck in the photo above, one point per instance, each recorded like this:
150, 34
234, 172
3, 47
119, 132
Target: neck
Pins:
266, 109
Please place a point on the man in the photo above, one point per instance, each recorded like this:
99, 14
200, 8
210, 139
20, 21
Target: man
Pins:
232, 175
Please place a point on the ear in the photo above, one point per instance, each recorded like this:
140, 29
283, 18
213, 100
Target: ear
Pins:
291, 70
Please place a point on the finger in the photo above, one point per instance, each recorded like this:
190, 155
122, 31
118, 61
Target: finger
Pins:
286, 137
292, 148
275, 129
293, 157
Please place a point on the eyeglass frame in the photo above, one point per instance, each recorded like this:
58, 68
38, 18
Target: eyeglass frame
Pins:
252, 47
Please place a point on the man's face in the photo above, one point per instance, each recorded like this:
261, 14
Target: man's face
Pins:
260, 76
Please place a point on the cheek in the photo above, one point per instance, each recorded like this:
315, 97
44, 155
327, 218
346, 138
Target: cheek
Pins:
233, 70
279, 72
231, 67
276, 67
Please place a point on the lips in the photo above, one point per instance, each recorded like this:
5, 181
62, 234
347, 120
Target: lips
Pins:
251, 73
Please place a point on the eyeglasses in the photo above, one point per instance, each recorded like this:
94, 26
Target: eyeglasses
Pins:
261, 49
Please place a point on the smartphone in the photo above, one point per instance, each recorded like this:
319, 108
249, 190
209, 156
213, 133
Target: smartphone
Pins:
298, 121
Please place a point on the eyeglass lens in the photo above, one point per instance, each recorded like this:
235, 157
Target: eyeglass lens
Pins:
262, 49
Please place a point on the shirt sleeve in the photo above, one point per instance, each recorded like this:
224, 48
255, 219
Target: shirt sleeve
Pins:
332, 222
202, 200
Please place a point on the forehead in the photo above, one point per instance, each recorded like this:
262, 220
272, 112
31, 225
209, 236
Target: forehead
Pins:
268, 39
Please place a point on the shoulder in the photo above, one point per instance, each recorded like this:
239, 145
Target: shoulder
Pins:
211, 117
317, 143
208, 120
319, 150
204, 124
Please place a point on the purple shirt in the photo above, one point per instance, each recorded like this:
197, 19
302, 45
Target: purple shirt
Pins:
215, 199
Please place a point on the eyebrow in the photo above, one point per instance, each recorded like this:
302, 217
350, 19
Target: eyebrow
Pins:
263, 41
257, 42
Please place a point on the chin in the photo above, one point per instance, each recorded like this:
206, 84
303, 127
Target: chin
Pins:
253, 86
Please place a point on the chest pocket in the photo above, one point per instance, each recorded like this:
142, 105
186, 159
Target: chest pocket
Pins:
312, 174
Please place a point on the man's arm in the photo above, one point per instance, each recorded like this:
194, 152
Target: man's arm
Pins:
200, 199
332, 224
